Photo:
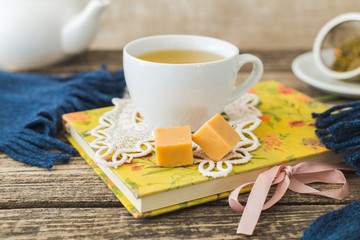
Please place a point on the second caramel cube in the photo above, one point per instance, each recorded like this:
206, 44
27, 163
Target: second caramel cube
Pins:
216, 138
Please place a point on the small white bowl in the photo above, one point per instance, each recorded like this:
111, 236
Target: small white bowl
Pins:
319, 41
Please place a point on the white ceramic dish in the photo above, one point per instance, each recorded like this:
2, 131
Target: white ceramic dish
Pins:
305, 69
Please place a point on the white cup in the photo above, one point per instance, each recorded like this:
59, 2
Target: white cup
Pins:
167, 94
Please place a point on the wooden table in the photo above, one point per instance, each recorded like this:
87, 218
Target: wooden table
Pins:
71, 202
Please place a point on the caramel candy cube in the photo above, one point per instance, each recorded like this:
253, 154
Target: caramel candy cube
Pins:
173, 146
216, 137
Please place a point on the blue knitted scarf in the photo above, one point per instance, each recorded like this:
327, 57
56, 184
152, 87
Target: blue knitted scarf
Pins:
32, 105
339, 130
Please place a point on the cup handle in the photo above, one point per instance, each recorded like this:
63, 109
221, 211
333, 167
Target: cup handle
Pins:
255, 75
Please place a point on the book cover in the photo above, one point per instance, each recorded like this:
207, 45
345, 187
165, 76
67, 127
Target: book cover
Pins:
286, 135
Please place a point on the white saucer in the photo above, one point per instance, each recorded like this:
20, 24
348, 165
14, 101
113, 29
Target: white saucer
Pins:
305, 69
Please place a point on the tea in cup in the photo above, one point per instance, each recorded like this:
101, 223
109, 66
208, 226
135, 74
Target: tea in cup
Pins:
180, 56
177, 80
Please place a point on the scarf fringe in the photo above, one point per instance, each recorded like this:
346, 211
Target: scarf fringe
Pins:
339, 130
33, 148
82, 91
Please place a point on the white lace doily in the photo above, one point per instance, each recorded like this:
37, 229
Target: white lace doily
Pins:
124, 135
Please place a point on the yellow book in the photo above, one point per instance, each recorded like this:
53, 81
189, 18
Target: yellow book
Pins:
286, 136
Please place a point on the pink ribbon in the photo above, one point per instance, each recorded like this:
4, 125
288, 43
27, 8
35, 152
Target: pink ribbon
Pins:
295, 178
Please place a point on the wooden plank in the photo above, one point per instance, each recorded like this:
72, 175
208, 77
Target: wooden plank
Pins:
76, 185
66, 185
277, 66
91, 60
279, 222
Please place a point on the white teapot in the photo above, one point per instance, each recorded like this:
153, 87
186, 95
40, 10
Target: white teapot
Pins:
35, 33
